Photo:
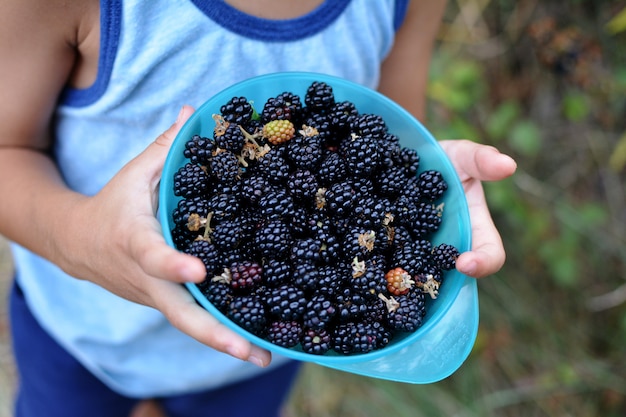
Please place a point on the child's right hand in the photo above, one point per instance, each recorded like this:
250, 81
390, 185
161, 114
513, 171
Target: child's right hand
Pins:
124, 251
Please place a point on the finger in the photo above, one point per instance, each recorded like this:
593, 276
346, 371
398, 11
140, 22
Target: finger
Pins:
474, 160
185, 314
487, 255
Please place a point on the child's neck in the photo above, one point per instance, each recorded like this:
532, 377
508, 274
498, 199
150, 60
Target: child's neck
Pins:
275, 9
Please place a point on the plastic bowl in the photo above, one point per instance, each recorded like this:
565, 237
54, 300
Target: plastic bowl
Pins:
449, 329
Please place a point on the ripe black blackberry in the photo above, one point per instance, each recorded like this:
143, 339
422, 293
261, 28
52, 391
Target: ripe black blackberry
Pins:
371, 125
223, 206
361, 155
248, 312
428, 220
273, 239
391, 181
195, 207
286, 302
371, 212
332, 169
284, 333
407, 313
276, 272
432, 185
276, 204
320, 311
319, 97
316, 341
231, 139
225, 166
368, 280
302, 185
217, 293
199, 150
342, 115
273, 166
306, 249
285, 106
331, 279
389, 149
191, 180
253, 187
305, 275
319, 125
444, 255
237, 110
409, 160
340, 199
304, 152
362, 243
208, 253
351, 306
407, 257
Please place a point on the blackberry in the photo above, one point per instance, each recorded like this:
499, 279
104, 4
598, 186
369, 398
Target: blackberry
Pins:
286, 302
369, 125
342, 115
199, 150
362, 156
208, 253
409, 160
331, 249
408, 257
428, 280
253, 187
284, 333
319, 125
249, 313
195, 207
190, 180
406, 312
278, 131
276, 272
390, 150
316, 341
405, 212
225, 166
431, 185
285, 106
351, 306
245, 276
237, 111
273, 166
305, 152
361, 243
276, 204
332, 169
306, 249
399, 282
273, 239
331, 279
223, 206
217, 293
428, 220
340, 198
391, 181
320, 310
305, 276
445, 255
319, 96
371, 212
368, 280
357, 337
302, 185
231, 139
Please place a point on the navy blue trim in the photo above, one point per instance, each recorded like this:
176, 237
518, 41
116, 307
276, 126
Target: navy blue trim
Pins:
110, 27
269, 30
400, 13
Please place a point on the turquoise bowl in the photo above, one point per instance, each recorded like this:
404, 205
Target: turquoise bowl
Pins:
443, 342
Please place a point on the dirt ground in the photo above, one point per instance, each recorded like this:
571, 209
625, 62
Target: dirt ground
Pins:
7, 370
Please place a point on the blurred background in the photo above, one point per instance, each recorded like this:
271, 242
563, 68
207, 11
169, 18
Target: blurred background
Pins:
544, 81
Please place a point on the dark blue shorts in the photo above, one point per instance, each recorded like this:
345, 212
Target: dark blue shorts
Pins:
53, 384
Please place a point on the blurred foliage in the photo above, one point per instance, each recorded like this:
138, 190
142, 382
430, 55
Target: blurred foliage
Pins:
544, 82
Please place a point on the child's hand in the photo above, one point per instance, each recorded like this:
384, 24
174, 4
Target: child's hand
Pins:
134, 260
475, 163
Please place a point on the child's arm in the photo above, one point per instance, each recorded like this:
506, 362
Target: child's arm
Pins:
42, 43
404, 78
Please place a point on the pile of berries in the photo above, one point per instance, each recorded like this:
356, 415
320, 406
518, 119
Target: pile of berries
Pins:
313, 223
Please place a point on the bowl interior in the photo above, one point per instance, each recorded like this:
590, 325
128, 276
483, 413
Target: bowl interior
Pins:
454, 229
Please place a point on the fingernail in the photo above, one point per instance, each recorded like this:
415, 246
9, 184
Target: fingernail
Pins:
180, 114
470, 268
256, 361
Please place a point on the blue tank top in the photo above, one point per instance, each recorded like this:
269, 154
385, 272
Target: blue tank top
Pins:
156, 56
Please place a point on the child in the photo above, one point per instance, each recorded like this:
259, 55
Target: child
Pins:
90, 87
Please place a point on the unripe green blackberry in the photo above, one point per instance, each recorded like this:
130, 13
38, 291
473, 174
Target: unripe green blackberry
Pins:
278, 131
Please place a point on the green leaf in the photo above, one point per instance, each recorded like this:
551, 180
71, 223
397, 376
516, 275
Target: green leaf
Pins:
617, 161
617, 23
575, 107
498, 122
525, 137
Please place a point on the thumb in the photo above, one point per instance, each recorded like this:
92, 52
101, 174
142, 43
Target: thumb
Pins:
166, 138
